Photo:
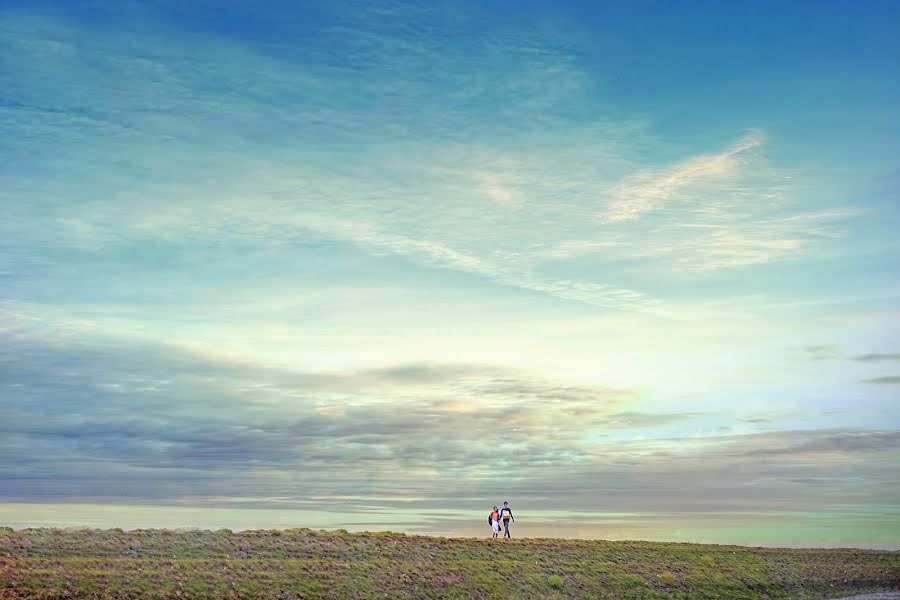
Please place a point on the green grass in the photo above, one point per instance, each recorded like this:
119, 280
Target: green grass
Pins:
302, 563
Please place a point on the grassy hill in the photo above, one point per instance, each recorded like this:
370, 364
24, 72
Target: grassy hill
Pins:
302, 563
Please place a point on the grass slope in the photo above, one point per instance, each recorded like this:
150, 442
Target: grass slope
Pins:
302, 563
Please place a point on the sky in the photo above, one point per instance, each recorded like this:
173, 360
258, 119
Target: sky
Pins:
632, 267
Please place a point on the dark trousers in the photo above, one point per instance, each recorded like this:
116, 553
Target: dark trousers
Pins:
506, 528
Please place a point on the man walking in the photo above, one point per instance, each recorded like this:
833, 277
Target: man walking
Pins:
505, 516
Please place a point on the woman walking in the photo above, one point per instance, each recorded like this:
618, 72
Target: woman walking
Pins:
494, 521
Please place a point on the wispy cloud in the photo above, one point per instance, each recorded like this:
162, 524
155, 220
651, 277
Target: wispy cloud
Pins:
886, 380
877, 357
820, 352
651, 189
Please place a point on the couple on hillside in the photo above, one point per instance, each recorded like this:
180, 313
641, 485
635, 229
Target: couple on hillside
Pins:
505, 515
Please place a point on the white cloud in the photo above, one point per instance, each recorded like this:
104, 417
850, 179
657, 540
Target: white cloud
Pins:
432, 253
650, 189
707, 213
497, 187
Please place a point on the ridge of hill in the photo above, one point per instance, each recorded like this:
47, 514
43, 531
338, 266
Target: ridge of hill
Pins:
305, 563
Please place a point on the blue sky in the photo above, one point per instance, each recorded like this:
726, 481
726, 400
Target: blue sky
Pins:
632, 267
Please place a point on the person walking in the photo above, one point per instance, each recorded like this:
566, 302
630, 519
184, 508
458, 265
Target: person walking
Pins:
494, 521
506, 515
